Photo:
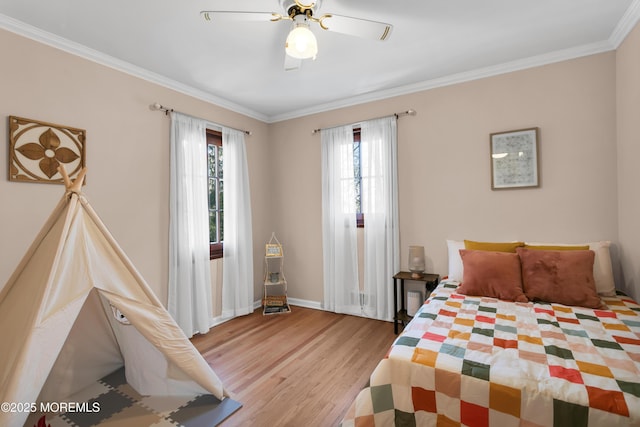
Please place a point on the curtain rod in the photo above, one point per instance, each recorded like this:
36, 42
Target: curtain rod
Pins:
157, 107
409, 112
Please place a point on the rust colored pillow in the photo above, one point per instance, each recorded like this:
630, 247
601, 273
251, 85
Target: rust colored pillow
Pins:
563, 277
491, 274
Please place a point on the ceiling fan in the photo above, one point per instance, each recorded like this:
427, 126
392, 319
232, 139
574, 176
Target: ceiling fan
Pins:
301, 42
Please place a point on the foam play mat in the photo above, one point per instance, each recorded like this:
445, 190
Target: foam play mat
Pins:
112, 402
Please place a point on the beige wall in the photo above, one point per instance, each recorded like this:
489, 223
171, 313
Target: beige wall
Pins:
628, 117
444, 168
127, 152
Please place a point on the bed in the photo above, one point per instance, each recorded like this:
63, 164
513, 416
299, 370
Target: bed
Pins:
479, 360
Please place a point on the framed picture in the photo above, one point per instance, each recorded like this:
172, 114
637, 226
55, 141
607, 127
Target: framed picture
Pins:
514, 159
273, 250
36, 149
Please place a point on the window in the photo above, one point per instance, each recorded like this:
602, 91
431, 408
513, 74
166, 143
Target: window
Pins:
357, 172
216, 198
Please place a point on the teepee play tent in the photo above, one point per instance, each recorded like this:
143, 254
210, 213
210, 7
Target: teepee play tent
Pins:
76, 309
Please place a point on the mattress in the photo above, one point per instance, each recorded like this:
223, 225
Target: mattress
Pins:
479, 361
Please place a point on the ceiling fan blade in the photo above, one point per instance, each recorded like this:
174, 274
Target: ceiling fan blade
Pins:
291, 63
355, 26
232, 16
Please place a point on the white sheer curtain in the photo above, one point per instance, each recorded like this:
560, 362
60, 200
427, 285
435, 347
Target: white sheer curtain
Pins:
339, 244
378, 148
379, 198
189, 299
237, 282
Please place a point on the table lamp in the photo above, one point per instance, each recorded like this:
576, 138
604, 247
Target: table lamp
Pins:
416, 261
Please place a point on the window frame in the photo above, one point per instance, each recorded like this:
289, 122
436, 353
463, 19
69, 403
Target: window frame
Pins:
356, 141
214, 137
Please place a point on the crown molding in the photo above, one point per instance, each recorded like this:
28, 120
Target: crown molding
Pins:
480, 73
626, 24
33, 33
620, 32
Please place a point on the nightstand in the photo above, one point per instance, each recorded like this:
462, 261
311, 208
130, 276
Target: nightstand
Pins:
401, 316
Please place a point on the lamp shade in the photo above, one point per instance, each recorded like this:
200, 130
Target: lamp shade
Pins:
416, 260
301, 43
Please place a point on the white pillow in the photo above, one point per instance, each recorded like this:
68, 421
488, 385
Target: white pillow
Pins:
602, 269
455, 261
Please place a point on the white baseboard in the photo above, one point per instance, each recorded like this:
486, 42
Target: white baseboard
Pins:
316, 305
296, 301
306, 303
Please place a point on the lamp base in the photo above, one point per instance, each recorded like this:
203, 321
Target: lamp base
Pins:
417, 274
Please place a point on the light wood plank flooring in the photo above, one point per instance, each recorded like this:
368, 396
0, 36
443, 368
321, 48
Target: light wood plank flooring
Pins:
302, 368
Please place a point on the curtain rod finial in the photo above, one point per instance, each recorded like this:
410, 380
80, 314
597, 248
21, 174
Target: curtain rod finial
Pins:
159, 107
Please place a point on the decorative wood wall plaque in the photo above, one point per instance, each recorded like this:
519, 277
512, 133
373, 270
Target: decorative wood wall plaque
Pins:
36, 149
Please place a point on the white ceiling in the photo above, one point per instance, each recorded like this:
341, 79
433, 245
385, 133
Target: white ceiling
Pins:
240, 65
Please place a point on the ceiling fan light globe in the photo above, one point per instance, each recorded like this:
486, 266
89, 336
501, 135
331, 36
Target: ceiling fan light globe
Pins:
301, 43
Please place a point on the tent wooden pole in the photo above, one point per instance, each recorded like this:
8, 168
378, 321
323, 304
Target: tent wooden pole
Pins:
76, 185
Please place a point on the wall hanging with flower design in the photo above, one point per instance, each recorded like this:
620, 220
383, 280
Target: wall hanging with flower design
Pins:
36, 149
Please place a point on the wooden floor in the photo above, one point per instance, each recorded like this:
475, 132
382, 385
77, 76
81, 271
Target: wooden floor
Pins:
302, 368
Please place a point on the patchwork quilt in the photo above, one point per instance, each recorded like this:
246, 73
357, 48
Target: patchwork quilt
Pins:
477, 361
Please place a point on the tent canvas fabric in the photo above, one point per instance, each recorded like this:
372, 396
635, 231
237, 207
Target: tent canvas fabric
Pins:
76, 309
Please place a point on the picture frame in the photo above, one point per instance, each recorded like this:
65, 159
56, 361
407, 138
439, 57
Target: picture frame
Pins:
273, 250
37, 148
514, 159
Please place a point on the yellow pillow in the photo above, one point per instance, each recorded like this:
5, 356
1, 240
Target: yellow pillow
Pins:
493, 246
558, 247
